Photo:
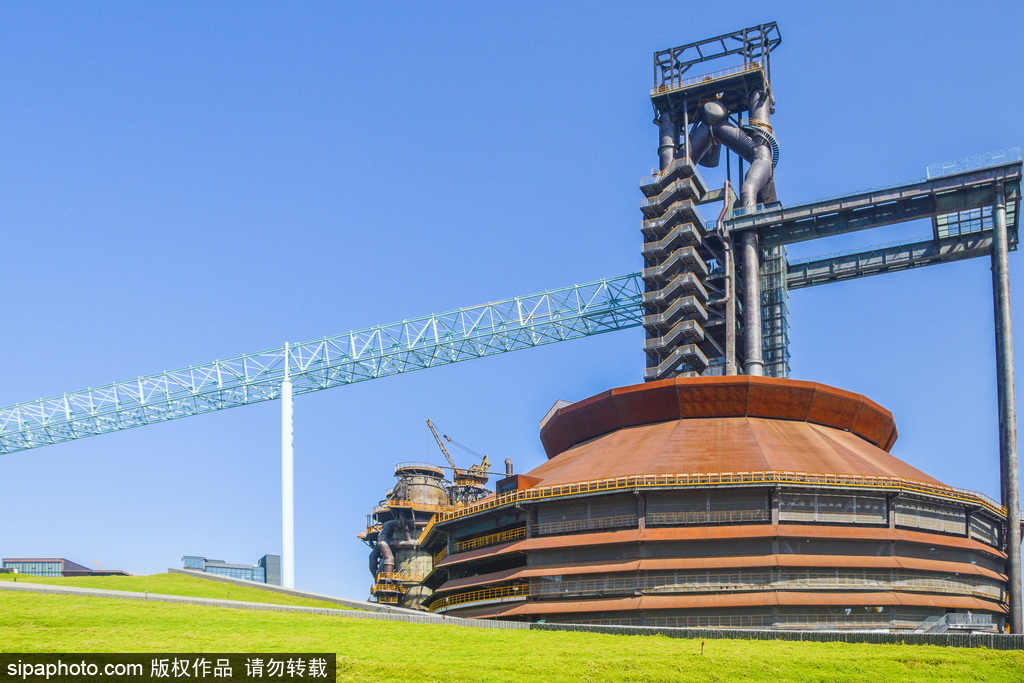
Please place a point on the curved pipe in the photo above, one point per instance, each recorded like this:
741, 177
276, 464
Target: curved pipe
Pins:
701, 141
713, 156
736, 140
508, 467
757, 177
374, 562
387, 557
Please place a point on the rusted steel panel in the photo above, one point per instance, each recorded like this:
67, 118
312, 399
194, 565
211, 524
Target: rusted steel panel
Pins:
742, 444
756, 599
646, 403
717, 397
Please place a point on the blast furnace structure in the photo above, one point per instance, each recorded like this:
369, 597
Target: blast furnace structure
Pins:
721, 493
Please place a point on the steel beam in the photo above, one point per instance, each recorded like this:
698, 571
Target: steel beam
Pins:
877, 208
890, 258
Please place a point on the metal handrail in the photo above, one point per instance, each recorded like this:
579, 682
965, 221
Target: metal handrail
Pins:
490, 539
520, 590
715, 479
419, 465
704, 78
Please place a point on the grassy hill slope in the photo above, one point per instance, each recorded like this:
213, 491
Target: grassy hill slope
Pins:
395, 651
175, 584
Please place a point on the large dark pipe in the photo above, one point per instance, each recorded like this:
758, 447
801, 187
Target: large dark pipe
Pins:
387, 557
508, 467
736, 140
667, 132
730, 286
374, 562
701, 141
754, 364
757, 177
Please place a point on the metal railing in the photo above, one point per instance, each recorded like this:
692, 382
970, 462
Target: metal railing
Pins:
490, 539
570, 525
387, 588
708, 517
440, 556
762, 581
644, 481
398, 576
676, 84
517, 591
411, 504
419, 466
971, 163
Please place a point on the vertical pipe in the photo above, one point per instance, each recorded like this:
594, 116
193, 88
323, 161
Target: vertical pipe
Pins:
1007, 406
686, 127
667, 139
287, 480
730, 308
728, 264
754, 360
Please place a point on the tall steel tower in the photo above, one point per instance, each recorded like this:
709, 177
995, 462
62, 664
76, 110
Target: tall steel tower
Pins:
700, 318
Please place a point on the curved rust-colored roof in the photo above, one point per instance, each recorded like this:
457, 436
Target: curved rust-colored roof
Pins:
718, 397
720, 424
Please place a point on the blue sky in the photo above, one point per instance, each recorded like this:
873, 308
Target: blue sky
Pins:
189, 181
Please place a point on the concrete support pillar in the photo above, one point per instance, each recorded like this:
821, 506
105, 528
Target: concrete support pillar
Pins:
890, 507
754, 360
667, 143
1009, 473
773, 505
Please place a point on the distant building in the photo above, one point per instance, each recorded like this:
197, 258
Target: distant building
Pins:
55, 566
266, 570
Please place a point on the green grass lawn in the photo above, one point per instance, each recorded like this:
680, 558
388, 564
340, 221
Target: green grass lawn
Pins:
175, 584
395, 651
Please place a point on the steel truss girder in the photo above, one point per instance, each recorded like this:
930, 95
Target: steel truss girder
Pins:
885, 206
890, 258
518, 323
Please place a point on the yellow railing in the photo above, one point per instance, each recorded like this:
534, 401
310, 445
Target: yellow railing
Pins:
387, 599
490, 539
387, 588
397, 576
773, 477
410, 504
440, 556
521, 590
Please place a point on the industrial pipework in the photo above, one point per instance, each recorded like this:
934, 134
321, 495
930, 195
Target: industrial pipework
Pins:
697, 117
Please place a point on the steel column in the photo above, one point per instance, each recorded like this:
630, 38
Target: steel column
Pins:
753, 363
287, 480
1007, 406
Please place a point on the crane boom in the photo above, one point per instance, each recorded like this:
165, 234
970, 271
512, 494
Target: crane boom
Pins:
518, 323
440, 444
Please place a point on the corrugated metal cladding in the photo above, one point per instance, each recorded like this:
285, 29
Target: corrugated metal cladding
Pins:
851, 537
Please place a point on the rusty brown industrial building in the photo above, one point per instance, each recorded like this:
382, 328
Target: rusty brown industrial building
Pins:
721, 502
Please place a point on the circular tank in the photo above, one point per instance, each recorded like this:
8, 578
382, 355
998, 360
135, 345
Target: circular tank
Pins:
724, 502
421, 484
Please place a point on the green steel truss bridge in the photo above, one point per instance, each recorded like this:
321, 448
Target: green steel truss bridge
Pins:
517, 323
